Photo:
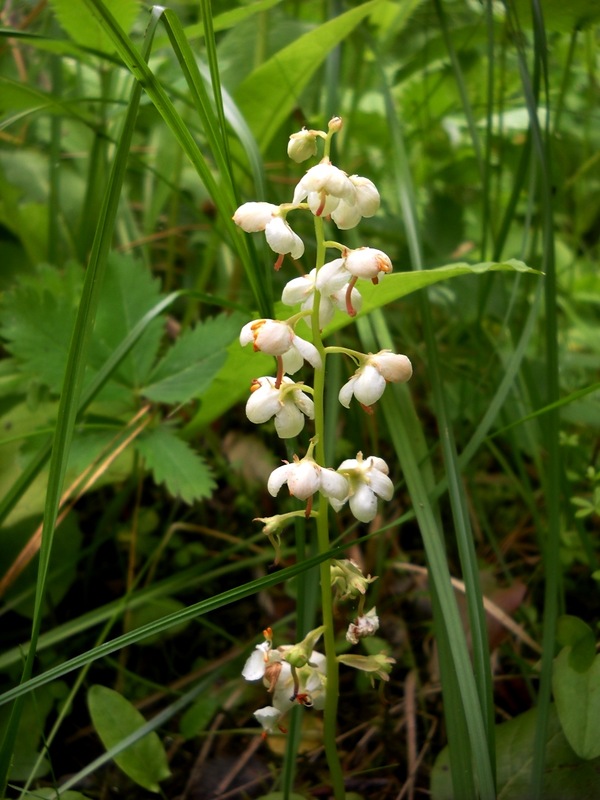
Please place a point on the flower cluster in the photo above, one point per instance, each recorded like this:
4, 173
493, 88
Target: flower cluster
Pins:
297, 673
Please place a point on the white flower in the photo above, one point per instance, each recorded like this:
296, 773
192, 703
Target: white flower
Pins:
324, 186
367, 625
348, 215
305, 477
288, 405
277, 338
282, 239
288, 685
367, 479
253, 217
302, 145
332, 282
369, 381
367, 262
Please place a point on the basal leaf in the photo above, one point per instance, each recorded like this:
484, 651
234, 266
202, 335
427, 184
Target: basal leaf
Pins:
283, 77
566, 777
82, 26
577, 696
173, 462
193, 361
114, 719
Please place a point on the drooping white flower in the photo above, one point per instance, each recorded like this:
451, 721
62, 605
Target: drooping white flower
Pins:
304, 477
302, 145
369, 381
303, 684
282, 239
253, 217
366, 625
332, 282
367, 262
367, 480
324, 185
276, 338
287, 404
367, 200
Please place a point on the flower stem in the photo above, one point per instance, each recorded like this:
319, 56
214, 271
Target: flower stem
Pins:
331, 695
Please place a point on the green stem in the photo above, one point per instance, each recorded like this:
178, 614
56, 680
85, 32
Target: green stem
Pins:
331, 697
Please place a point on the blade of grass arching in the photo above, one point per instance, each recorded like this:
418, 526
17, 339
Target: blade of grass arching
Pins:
172, 620
478, 707
69, 402
213, 65
551, 429
222, 197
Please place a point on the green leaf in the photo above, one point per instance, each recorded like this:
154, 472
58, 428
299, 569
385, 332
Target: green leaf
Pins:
577, 696
128, 293
566, 777
36, 319
573, 632
283, 77
81, 26
192, 363
174, 463
399, 284
115, 719
561, 16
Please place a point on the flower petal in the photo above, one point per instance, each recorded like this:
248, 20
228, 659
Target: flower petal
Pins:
277, 478
308, 351
363, 503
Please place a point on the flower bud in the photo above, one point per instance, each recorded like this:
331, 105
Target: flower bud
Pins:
302, 145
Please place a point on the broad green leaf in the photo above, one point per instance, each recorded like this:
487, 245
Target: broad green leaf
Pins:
174, 463
283, 77
83, 27
573, 632
577, 696
114, 719
192, 362
399, 284
566, 777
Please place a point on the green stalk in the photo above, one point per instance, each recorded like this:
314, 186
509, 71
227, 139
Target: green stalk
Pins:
331, 697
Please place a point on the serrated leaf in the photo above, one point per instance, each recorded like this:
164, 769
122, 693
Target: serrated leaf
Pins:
129, 291
577, 696
114, 719
192, 362
36, 319
566, 777
172, 462
74, 16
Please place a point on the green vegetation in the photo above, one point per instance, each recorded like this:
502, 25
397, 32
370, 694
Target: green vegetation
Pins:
134, 583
